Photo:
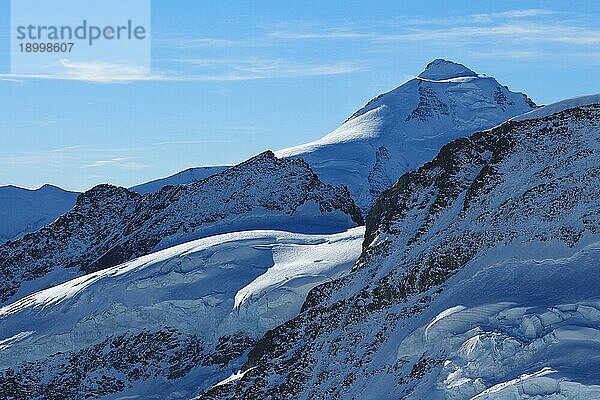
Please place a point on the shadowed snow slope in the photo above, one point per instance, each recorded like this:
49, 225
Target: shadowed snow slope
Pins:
402, 129
23, 210
110, 225
194, 309
185, 177
479, 279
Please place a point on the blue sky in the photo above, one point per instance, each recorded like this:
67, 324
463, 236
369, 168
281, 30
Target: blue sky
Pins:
231, 79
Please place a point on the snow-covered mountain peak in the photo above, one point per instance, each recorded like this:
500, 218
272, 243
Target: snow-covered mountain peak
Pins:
440, 69
266, 161
46, 187
105, 193
265, 155
400, 130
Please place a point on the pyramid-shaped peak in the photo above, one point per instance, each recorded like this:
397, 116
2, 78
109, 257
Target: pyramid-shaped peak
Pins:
441, 69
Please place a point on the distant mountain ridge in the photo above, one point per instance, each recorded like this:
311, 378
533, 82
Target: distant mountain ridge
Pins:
23, 210
110, 225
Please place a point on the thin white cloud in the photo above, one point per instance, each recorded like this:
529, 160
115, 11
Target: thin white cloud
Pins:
188, 142
7, 78
42, 121
534, 25
128, 78
466, 19
99, 72
207, 42
72, 155
112, 161
507, 54
119, 162
516, 32
102, 72
331, 34
257, 68
227, 71
513, 14
531, 12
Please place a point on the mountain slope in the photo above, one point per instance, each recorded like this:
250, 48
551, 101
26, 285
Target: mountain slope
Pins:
402, 129
478, 280
184, 177
23, 210
166, 324
110, 225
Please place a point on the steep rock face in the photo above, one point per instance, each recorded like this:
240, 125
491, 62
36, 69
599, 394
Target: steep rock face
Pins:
110, 225
108, 367
412, 123
23, 211
478, 280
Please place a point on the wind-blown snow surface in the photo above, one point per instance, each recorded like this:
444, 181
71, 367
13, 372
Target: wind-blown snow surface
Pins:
23, 210
220, 293
554, 108
185, 177
402, 129
479, 279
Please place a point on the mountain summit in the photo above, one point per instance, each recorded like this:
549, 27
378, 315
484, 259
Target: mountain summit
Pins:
400, 130
440, 69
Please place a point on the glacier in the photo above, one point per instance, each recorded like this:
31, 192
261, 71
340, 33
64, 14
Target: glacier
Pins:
240, 283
